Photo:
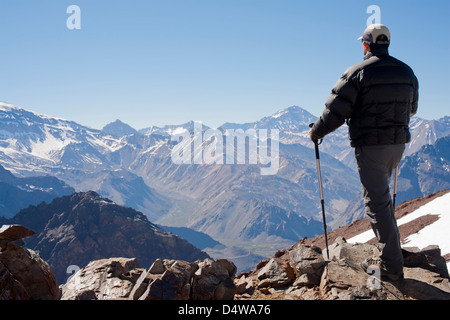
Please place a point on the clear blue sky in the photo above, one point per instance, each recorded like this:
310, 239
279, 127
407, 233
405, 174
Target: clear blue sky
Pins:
162, 62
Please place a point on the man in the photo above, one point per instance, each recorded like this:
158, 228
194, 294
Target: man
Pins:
376, 97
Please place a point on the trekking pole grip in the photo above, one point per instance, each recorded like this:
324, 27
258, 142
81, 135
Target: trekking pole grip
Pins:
316, 144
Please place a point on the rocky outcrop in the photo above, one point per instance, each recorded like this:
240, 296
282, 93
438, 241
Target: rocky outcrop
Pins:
23, 274
301, 272
120, 278
75, 230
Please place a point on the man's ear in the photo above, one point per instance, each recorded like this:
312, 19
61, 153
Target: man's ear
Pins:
366, 46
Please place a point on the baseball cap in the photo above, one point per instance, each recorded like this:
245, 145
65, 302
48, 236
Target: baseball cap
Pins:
376, 34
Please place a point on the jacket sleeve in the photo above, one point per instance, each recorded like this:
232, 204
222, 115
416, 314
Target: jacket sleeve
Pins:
339, 105
415, 103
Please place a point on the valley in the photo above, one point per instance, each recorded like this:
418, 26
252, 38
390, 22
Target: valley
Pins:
250, 214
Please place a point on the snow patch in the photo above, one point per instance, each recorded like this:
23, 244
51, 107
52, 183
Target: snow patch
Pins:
48, 146
435, 233
279, 114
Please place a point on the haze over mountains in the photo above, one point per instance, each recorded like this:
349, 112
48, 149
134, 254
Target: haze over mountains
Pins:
74, 230
18, 193
233, 204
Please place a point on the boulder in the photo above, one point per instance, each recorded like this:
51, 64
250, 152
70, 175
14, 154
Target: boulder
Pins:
23, 274
275, 274
344, 279
13, 233
120, 278
171, 285
213, 280
103, 279
10, 288
166, 280
301, 272
308, 263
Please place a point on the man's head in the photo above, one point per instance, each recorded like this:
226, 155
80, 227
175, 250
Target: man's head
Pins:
375, 36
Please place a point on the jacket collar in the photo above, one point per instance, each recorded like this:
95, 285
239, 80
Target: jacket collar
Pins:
377, 52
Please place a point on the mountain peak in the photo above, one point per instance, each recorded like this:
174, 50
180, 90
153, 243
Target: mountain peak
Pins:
290, 119
293, 110
118, 129
75, 229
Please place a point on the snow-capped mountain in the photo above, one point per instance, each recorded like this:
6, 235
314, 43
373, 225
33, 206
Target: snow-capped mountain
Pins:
118, 129
227, 202
292, 120
425, 132
169, 130
35, 143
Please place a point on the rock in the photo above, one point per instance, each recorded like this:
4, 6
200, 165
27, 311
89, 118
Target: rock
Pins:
305, 280
141, 285
10, 288
157, 267
229, 266
342, 278
241, 285
101, 280
168, 280
308, 263
120, 278
187, 268
428, 258
171, 285
275, 274
14, 232
25, 275
423, 284
212, 282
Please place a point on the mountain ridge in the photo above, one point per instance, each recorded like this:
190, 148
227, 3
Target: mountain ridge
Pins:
17, 193
136, 170
76, 229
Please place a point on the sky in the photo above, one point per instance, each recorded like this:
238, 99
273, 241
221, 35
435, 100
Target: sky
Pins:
157, 62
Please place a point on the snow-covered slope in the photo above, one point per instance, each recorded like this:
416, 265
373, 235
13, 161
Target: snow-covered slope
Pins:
436, 233
425, 132
120, 162
33, 143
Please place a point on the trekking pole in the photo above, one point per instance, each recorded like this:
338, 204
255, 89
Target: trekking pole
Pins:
395, 187
322, 202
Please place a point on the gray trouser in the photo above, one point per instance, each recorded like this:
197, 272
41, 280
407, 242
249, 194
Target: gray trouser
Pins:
375, 166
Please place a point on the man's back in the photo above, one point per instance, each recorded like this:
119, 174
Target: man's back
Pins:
387, 98
377, 97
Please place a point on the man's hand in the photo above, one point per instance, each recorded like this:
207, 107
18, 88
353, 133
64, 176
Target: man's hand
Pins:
310, 135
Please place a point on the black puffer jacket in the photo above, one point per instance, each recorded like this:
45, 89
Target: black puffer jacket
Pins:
377, 97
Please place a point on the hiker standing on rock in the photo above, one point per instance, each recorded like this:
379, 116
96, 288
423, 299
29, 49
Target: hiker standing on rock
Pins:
376, 97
